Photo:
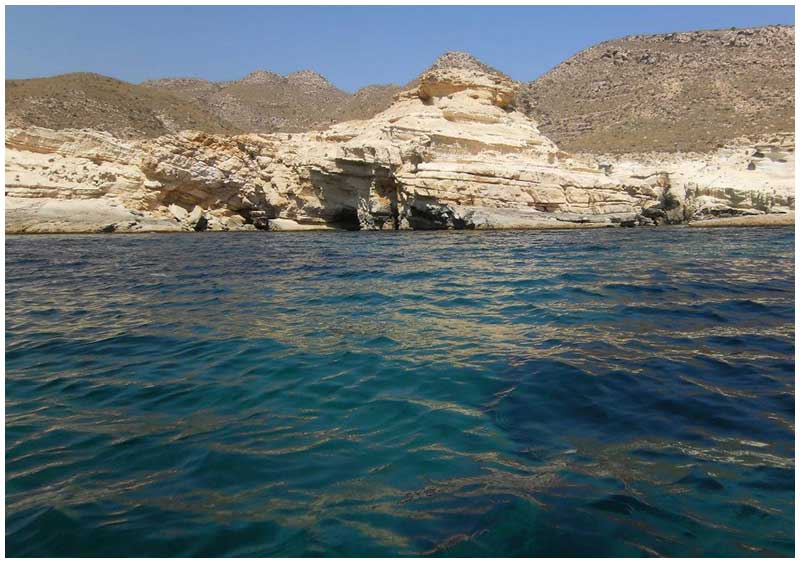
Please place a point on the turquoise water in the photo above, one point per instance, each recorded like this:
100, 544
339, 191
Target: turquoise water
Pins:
607, 393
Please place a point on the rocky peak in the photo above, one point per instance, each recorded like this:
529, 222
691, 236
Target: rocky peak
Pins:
456, 71
309, 78
462, 60
260, 77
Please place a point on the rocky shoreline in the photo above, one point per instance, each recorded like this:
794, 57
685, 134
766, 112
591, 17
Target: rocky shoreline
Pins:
768, 220
777, 220
450, 153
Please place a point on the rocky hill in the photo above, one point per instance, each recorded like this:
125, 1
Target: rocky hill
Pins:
266, 102
691, 91
85, 100
366, 102
673, 92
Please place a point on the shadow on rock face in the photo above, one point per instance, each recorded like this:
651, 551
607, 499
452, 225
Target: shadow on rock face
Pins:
345, 219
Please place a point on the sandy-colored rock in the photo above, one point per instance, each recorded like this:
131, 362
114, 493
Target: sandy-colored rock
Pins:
178, 212
764, 220
48, 215
291, 225
450, 152
195, 215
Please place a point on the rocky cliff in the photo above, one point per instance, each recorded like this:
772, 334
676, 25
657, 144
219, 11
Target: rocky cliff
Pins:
450, 152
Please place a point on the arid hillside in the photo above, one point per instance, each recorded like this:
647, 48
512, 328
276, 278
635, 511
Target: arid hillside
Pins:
127, 110
266, 102
690, 91
678, 91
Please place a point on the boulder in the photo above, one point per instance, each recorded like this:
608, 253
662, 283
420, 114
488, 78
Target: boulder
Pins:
280, 224
196, 219
178, 212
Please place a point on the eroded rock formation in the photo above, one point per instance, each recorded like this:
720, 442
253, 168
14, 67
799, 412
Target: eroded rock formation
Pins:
451, 152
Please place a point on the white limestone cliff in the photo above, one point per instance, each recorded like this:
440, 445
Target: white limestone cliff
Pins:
449, 153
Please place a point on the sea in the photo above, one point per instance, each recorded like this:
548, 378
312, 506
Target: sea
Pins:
605, 392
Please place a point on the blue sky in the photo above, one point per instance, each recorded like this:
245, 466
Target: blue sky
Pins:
351, 46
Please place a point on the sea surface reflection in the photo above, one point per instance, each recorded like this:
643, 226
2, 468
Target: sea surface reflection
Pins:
604, 392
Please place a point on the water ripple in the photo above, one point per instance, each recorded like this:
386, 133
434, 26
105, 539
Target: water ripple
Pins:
602, 393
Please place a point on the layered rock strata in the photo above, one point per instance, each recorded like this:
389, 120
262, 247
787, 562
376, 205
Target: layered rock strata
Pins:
450, 153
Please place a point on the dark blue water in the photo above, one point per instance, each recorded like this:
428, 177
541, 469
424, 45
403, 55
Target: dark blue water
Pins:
605, 393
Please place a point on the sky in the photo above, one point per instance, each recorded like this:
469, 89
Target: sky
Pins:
352, 46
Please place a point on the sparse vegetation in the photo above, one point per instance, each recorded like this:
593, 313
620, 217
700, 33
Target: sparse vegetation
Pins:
736, 198
91, 100
688, 91
265, 102
762, 201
